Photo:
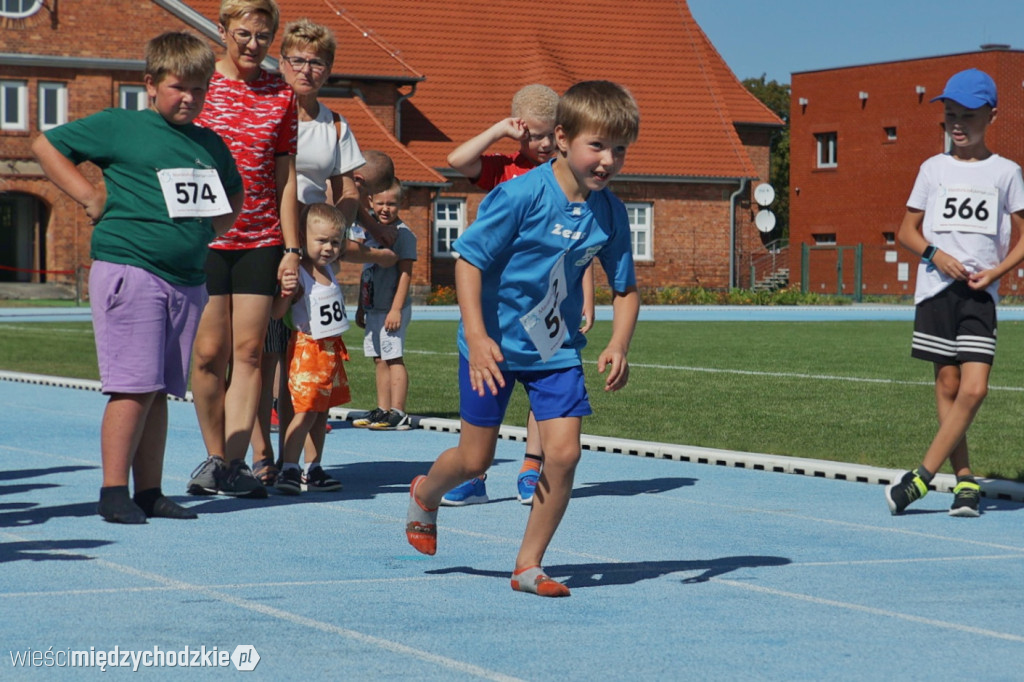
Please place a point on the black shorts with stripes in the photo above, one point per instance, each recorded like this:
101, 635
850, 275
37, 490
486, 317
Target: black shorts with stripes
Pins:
955, 326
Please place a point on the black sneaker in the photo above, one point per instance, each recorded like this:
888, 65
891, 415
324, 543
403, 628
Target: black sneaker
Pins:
374, 415
319, 480
392, 420
900, 494
205, 476
289, 481
237, 480
967, 495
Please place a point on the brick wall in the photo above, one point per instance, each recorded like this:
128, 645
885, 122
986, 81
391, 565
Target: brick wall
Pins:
864, 196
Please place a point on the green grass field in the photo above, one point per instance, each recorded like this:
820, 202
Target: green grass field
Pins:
845, 391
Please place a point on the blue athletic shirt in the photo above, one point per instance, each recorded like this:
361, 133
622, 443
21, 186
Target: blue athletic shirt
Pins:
522, 228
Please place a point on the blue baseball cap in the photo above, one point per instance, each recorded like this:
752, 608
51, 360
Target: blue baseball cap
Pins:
971, 88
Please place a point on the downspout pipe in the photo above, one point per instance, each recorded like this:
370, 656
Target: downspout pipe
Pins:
732, 231
398, 111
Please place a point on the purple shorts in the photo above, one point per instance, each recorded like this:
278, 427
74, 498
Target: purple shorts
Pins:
144, 328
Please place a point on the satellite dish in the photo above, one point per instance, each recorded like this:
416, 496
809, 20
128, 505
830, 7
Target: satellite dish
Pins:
764, 194
765, 220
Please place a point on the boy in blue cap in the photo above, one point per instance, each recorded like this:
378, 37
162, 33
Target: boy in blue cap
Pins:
959, 218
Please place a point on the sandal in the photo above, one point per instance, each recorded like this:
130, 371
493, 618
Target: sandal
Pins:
265, 472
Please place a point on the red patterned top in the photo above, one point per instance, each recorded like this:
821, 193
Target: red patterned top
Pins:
497, 168
259, 122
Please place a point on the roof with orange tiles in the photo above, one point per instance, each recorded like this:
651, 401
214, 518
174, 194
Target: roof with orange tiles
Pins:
468, 59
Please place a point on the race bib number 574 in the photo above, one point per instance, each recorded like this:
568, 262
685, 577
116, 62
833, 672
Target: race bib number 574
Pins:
193, 192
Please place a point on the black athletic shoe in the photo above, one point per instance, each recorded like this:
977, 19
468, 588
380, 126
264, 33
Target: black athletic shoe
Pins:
967, 495
900, 494
289, 482
320, 481
237, 480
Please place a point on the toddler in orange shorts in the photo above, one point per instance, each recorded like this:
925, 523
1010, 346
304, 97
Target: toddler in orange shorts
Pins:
316, 353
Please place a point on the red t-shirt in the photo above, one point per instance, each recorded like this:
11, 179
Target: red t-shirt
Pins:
259, 122
497, 168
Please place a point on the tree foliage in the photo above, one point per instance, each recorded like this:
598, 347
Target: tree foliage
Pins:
775, 96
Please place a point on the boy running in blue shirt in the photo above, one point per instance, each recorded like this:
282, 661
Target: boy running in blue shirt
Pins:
519, 277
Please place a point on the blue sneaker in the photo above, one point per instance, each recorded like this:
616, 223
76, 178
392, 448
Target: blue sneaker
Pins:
472, 491
526, 483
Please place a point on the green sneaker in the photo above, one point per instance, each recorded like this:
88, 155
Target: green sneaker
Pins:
900, 494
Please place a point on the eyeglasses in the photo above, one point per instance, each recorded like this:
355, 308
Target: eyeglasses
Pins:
243, 37
317, 66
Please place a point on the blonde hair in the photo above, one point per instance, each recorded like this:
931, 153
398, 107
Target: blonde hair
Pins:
305, 33
601, 106
321, 213
536, 100
236, 9
180, 54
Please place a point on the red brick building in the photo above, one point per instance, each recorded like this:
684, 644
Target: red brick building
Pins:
416, 79
857, 138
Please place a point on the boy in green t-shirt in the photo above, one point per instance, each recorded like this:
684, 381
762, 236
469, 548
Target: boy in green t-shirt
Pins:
168, 188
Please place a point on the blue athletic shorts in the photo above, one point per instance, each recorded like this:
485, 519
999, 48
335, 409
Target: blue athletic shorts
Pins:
553, 393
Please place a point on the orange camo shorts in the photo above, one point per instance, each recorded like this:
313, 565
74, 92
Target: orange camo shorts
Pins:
316, 373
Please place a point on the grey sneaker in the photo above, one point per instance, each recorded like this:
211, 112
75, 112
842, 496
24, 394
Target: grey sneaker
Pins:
205, 476
236, 479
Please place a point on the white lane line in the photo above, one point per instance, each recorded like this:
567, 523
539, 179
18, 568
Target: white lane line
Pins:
777, 375
946, 625
279, 614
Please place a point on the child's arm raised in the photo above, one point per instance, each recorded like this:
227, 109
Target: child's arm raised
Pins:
466, 157
484, 353
280, 304
65, 174
625, 308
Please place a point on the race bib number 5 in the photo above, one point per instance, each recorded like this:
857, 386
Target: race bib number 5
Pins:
327, 313
967, 209
193, 192
544, 323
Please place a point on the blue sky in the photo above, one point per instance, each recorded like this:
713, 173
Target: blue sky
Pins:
779, 37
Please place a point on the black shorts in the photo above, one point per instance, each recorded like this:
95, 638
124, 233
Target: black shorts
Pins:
243, 271
277, 337
955, 326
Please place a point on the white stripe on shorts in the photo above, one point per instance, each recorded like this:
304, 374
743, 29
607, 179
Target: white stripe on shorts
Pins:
977, 344
934, 344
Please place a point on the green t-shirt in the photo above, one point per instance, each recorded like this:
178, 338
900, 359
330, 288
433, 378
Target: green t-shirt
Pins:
131, 147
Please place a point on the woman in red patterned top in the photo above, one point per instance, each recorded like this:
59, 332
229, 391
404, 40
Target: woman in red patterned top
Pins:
254, 112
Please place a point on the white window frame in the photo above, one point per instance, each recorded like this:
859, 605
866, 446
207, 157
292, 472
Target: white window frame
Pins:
641, 230
824, 238
139, 91
20, 121
446, 228
58, 91
34, 6
827, 146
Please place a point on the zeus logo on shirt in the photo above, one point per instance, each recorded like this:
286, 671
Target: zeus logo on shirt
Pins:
567, 233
